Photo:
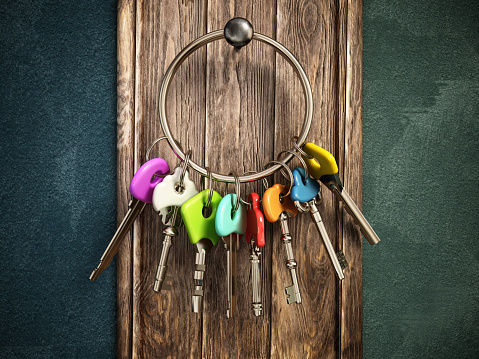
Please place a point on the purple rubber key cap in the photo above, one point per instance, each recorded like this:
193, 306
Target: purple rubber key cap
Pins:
141, 188
144, 181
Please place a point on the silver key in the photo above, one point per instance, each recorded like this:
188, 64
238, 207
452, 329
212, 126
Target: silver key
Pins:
162, 281
337, 259
294, 296
141, 188
255, 253
202, 247
333, 182
231, 245
170, 194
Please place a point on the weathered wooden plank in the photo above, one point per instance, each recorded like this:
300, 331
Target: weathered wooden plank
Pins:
125, 165
351, 167
309, 330
240, 105
163, 324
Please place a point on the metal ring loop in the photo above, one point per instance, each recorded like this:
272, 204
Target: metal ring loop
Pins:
303, 163
265, 185
300, 150
237, 191
184, 169
291, 178
210, 192
147, 156
192, 47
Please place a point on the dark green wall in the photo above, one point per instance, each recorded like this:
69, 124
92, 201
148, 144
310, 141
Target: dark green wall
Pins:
58, 201
421, 138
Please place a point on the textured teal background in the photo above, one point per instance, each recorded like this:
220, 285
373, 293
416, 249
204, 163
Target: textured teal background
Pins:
421, 138
58, 200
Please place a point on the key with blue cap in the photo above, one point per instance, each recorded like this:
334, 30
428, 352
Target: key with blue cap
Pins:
305, 194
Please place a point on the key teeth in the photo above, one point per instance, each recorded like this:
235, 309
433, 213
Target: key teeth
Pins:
291, 295
257, 309
163, 284
342, 260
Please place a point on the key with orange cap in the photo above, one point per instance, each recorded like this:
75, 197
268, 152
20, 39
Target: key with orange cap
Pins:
279, 207
323, 166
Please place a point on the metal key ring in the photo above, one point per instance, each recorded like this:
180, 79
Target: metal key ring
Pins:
232, 33
210, 191
237, 191
300, 150
291, 178
184, 169
303, 163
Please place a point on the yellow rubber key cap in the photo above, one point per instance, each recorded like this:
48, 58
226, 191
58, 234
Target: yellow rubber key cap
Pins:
323, 162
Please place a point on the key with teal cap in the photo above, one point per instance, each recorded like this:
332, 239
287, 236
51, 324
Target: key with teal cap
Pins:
231, 224
201, 231
322, 166
141, 188
305, 194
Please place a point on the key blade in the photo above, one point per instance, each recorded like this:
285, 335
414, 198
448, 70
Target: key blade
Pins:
290, 292
231, 273
135, 209
358, 217
325, 237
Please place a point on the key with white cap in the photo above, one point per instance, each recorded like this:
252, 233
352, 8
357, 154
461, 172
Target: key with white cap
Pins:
170, 194
141, 188
278, 207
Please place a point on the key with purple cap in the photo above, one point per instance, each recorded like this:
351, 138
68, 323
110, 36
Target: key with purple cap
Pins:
141, 188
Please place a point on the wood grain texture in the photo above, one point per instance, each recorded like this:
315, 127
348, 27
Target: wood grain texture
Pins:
236, 110
352, 170
125, 165
239, 123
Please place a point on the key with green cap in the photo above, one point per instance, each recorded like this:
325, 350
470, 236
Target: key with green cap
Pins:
201, 231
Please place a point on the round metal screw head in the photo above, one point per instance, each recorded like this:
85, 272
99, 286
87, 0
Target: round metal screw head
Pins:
238, 32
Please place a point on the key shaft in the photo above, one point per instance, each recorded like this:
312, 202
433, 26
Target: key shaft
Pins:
170, 232
294, 295
255, 253
200, 261
359, 218
231, 245
313, 210
136, 207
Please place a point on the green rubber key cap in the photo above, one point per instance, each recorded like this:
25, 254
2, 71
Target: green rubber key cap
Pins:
201, 231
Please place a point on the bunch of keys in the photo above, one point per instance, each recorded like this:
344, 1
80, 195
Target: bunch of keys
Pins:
322, 165
200, 226
277, 205
142, 186
230, 222
168, 197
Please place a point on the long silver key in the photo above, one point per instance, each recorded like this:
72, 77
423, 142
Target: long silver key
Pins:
170, 194
230, 223
255, 238
141, 189
322, 165
201, 232
306, 190
278, 207
255, 253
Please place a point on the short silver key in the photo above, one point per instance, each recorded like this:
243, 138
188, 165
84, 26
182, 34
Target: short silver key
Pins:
255, 253
170, 194
294, 295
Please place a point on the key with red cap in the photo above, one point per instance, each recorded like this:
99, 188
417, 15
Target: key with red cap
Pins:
255, 238
141, 188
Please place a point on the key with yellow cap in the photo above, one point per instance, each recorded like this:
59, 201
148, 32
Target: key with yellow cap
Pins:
323, 166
